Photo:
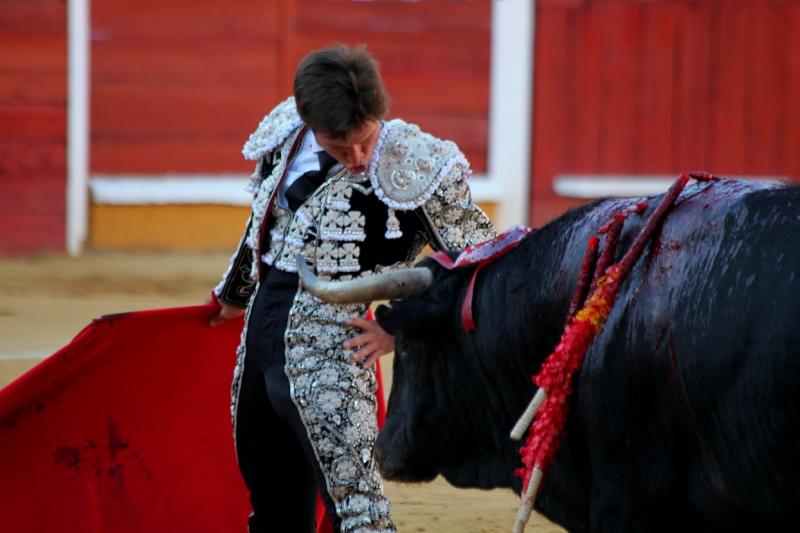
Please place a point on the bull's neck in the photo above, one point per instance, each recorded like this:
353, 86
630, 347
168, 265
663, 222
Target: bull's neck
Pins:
550, 260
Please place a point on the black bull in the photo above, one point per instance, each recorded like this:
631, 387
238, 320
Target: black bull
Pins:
686, 411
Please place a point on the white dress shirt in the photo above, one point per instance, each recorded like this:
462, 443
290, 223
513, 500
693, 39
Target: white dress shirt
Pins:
305, 160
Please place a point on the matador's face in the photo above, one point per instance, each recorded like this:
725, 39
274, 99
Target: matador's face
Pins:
355, 149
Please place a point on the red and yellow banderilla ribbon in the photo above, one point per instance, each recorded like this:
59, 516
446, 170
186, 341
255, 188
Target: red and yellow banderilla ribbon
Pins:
555, 377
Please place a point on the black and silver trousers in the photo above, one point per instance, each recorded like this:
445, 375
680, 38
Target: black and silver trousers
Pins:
275, 457
306, 415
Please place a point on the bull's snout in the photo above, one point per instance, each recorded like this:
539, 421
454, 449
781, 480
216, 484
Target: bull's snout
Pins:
388, 465
396, 464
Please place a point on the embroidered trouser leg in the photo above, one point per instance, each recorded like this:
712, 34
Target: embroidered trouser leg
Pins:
336, 400
276, 460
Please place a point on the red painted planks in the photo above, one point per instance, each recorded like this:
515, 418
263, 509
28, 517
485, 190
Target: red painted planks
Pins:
37, 54
33, 123
618, 84
584, 48
180, 82
768, 88
402, 59
546, 208
33, 88
32, 158
715, 86
656, 72
439, 96
178, 86
177, 155
727, 91
175, 20
690, 100
690, 84
429, 20
470, 131
234, 62
27, 18
32, 233
447, 60
132, 111
551, 132
791, 138
32, 196
560, 4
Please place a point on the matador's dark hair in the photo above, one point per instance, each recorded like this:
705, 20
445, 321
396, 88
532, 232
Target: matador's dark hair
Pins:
337, 89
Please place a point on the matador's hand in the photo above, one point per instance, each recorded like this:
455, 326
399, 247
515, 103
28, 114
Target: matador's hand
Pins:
372, 343
226, 312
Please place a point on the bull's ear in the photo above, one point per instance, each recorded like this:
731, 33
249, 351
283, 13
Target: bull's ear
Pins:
386, 286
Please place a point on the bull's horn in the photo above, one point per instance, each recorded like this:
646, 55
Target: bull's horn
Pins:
386, 286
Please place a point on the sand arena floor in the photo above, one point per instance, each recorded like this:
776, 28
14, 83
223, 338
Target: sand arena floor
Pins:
45, 301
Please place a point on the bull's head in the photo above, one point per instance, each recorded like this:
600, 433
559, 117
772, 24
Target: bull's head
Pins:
446, 396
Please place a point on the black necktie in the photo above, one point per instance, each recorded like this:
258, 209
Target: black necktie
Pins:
305, 185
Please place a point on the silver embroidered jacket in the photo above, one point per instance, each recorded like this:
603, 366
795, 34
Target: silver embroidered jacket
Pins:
414, 193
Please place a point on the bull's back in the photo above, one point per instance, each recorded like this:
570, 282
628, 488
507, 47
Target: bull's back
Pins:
704, 347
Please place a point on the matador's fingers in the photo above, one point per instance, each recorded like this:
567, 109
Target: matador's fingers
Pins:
358, 340
358, 322
365, 350
370, 361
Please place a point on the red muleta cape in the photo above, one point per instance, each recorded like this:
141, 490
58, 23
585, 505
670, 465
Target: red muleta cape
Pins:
127, 429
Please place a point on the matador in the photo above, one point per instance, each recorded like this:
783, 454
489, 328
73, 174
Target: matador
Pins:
354, 195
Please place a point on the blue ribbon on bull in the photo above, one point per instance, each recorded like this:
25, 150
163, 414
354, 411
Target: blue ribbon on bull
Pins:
482, 254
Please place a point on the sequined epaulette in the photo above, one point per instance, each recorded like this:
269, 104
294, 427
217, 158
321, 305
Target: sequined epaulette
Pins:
410, 165
273, 130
